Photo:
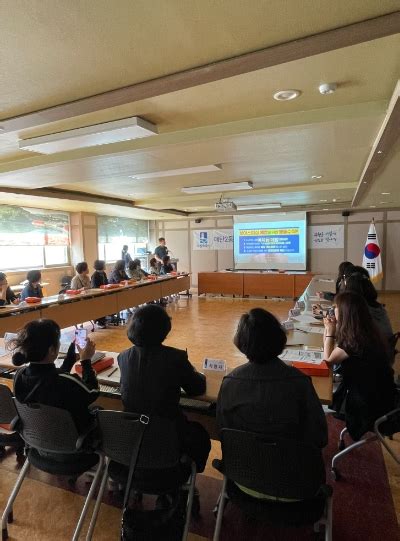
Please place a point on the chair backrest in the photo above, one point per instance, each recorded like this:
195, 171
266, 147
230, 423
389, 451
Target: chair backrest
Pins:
47, 428
278, 467
7, 408
119, 432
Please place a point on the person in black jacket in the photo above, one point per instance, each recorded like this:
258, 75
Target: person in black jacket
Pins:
7, 295
353, 340
99, 278
152, 376
118, 273
265, 395
37, 345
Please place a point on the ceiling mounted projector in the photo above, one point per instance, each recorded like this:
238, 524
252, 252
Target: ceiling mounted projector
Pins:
225, 205
90, 136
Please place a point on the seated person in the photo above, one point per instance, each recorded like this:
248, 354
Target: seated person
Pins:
7, 295
367, 390
37, 345
265, 395
344, 270
33, 287
166, 266
152, 376
118, 273
81, 279
99, 277
361, 284
134, 271
154, 266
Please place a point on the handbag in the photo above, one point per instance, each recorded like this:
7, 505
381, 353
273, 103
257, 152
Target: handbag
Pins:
152, 525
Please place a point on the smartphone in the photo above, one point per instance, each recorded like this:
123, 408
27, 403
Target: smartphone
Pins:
80, 338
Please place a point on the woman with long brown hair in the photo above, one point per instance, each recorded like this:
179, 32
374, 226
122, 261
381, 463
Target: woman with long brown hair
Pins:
367, 390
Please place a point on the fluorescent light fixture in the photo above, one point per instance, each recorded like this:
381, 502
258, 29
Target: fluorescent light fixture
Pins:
385, 193
177, 172
315, 177
227, 187
90, 136
260, 206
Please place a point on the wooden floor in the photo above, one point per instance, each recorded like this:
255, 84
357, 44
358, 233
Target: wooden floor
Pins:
205, 326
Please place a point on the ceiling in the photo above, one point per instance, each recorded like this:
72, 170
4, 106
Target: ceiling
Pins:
80, 49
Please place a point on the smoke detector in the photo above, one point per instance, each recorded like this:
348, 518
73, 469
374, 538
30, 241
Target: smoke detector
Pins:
327, 88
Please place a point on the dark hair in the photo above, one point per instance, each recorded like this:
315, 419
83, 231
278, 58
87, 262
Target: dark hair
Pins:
160, 239
81, 267
149, 326
260, 336
125, 248
34, 340
166, 259
2, 276
99, 265
119, 265
133, 265
138, 262
344, 270
359, 283
356, 331
361, 270
33, 276
152, 262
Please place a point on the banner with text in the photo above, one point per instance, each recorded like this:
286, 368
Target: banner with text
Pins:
213, 239
325, 237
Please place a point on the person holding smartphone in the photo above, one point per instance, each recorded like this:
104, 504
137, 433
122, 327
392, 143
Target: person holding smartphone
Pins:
36, 348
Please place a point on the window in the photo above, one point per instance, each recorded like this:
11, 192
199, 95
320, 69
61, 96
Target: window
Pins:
114, 232
32, 238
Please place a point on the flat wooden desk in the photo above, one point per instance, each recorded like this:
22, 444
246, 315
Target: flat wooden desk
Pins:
92, 304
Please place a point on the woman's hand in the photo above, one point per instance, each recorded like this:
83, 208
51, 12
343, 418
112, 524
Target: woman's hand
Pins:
316, 309
330, 325
88, 351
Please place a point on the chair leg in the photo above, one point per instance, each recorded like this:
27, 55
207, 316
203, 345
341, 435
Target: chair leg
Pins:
11, 499
341, 444
97, 505
189, 501
341, 454
221, 507
328, 523
88, 498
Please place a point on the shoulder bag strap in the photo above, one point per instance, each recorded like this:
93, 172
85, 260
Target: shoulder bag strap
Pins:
32, 391
143, 422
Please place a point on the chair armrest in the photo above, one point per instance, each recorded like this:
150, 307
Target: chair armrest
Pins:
386, 418
82, 439
16, 424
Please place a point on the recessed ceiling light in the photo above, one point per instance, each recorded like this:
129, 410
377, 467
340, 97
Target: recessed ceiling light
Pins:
323, 200
334, 200
325, 209
364, 182
177, 172
380, 151
385, 193
223, 187
286, 95
372, 206
316, 176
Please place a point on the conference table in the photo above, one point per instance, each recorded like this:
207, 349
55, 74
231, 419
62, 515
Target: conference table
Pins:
91, 304
202, 408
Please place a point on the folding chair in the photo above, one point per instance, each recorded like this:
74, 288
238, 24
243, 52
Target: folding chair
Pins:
55, 447
8, 413
280, 468
160, 468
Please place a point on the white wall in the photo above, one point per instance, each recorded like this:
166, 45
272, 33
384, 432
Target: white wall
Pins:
178, 234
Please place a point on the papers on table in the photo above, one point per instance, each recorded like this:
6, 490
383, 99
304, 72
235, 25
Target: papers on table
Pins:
309, 329
302, 355
307, 319
314, 298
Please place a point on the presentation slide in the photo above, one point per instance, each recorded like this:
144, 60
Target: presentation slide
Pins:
270, 241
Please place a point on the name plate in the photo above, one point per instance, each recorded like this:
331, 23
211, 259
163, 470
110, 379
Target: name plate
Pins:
218, 365
293, 312
301, 305
288, 325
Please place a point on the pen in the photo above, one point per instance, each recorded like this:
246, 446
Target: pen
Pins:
111, 373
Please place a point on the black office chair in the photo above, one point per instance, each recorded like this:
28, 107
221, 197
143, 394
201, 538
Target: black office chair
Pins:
48, 432
280, 468
160, 468
8, 413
